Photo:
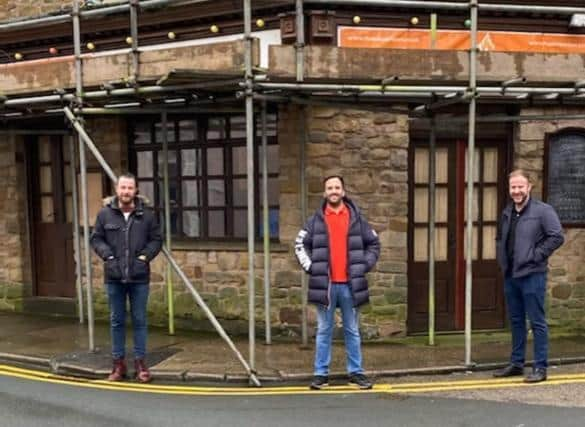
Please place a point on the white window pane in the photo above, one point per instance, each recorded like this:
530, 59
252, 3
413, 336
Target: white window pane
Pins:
187, 130
216, 223
145, 164
191, 225
191, 162
490, 165
158, 129
191, 193
490, 203
215, 161
216, 192
489, 242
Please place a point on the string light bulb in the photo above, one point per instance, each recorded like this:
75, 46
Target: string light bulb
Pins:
53, 50
90, 46
171, 35
356, 19
414, 20
18, 56
260, 23
129, 40
214, 29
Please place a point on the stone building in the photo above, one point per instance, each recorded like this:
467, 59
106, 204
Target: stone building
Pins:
378, 143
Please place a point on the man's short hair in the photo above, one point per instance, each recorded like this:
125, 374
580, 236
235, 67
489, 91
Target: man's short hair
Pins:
339, 177
128, 175
520, 172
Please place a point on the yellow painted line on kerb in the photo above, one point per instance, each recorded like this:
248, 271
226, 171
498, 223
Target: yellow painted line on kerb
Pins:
404, 388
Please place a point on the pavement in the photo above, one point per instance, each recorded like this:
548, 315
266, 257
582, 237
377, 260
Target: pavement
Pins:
60, 346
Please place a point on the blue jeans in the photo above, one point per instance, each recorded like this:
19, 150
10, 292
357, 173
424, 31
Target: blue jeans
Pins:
137, 293
340, 296
525, 296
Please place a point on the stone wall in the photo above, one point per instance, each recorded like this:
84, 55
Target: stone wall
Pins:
16, 9
370, 150
567, 270
15, 276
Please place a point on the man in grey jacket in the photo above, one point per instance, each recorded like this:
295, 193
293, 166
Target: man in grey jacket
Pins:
529, 232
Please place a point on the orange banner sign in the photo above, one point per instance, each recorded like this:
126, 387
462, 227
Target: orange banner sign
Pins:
497, 41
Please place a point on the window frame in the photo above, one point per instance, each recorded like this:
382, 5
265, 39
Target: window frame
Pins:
548, 141
202, 144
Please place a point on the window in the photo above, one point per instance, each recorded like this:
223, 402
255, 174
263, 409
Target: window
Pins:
564, 179
207, 173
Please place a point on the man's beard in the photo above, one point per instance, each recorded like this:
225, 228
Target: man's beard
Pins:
523, 200
126, 201
335, 204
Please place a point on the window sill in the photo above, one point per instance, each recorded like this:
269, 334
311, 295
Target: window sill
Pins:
233, 246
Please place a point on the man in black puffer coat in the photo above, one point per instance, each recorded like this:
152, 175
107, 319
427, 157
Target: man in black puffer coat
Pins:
337, 247
126, 236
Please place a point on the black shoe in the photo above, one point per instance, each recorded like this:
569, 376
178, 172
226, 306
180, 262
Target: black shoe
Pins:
360, 381
319, 381
509, 371
537, 375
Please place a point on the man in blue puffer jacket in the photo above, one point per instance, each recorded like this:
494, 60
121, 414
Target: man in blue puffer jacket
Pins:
337, 247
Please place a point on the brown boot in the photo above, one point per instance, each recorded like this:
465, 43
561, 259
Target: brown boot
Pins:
118, 370
142, 373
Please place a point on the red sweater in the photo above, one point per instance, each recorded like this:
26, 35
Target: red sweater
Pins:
338, 226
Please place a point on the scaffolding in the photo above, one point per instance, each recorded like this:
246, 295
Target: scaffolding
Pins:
253, 88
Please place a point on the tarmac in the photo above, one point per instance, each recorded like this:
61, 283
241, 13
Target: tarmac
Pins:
61, 346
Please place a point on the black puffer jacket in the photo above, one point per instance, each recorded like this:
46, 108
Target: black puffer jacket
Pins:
312, 252
125, 241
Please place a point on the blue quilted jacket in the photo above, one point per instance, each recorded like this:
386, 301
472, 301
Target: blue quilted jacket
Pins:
312, 252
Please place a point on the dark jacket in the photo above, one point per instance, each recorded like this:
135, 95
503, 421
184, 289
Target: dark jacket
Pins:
538, 235
125, 241
312, 251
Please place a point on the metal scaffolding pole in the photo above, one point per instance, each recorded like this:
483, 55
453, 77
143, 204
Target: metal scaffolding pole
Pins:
250, 180
75, 220
134, 35
300, 74
303, 196
211, 317
300, 44
266, 226
83, 173
470, 180
431, 238
376, 89
446, 5
94, 150
167, 227
361, 91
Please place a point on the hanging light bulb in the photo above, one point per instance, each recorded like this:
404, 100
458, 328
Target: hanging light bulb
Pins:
260, 23
171, 35
18, 56
356, 19
90, 46
214, 29
129, 40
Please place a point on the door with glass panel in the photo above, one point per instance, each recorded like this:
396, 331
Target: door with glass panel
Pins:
51, 216
450, 246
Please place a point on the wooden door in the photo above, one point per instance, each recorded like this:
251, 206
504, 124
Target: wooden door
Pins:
450, 215
51, 202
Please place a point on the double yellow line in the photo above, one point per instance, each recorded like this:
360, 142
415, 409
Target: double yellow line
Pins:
404, 388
